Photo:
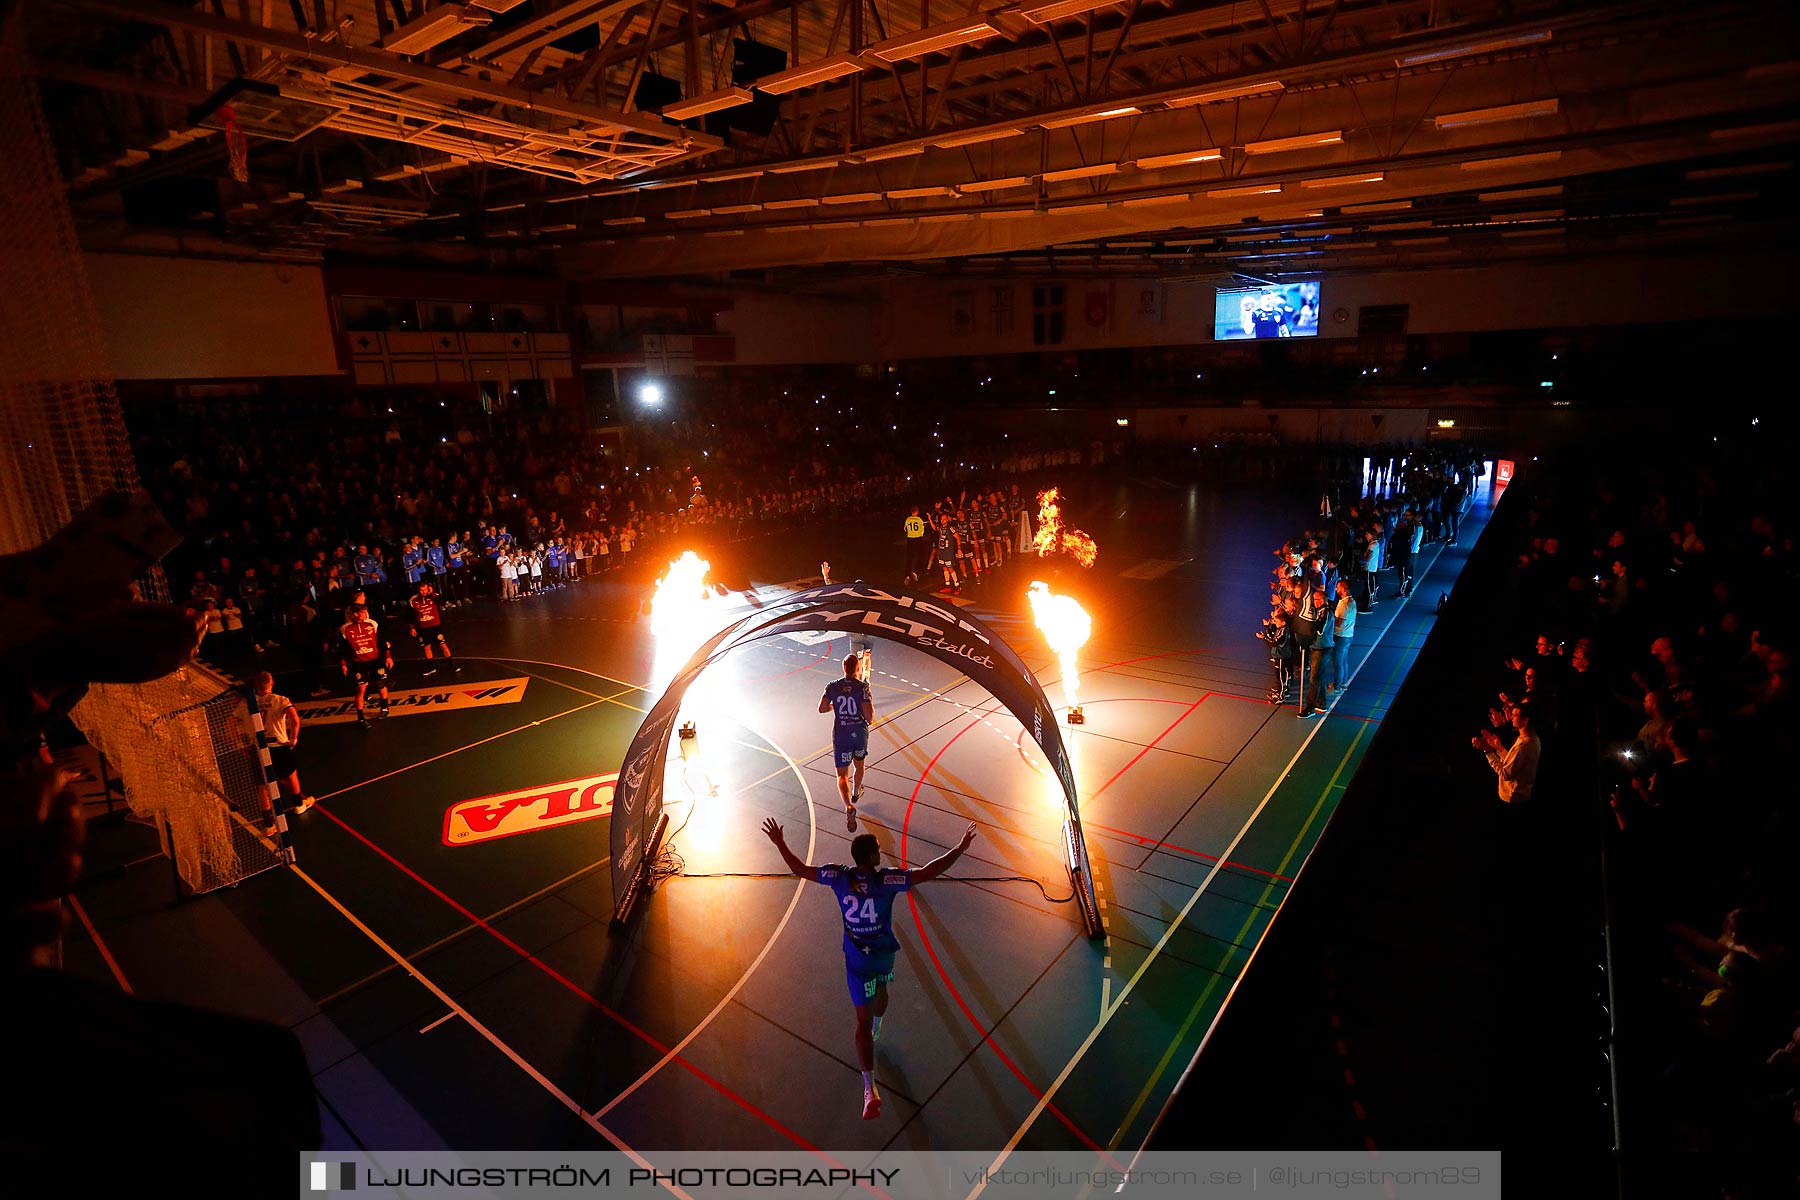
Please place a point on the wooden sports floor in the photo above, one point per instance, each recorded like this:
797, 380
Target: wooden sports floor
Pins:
456, 990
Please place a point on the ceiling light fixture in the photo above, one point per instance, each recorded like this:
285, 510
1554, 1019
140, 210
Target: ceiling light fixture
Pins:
994, 185
1087, 118
811, 74
1343, 180
1080, 172
1255, 189
1515, 160
1491, 45
975, 137
708, 102
886, 152
1732, 172
434, 28
1304, 141
937, 37
1504, 112
1234, 91
1043, 14
1162, 162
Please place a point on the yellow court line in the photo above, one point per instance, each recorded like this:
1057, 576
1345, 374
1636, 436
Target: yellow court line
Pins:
538, 662
1048, 1094
612, 699
1231, 950
1200, 1002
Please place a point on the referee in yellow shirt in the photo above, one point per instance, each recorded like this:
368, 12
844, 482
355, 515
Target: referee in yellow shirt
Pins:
915, 545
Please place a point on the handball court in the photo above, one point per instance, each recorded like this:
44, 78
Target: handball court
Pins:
455, 987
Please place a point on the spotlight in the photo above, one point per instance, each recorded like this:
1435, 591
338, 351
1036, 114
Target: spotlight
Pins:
650, 395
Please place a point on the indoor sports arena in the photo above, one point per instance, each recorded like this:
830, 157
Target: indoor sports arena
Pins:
820, 597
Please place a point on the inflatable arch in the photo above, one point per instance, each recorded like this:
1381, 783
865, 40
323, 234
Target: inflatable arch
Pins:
862, 611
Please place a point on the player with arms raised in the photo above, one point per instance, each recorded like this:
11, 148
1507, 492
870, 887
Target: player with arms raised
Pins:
865, 894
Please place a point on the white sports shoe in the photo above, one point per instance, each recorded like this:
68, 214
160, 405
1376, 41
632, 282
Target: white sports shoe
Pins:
871, 1104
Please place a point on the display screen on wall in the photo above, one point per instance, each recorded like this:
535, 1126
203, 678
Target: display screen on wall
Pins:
1276, 310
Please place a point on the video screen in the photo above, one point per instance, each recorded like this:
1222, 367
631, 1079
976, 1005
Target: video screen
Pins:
1269, 311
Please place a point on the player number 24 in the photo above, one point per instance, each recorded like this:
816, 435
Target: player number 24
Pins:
865, 914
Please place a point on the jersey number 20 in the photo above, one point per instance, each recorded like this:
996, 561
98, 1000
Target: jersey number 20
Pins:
866, 914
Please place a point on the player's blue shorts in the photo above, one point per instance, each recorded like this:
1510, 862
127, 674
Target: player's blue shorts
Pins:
865, 970
848, 744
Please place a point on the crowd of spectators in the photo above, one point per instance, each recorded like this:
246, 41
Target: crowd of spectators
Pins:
1405, 498
1650, 670
292, 505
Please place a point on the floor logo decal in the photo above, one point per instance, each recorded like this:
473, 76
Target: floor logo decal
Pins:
410, 702
544, 807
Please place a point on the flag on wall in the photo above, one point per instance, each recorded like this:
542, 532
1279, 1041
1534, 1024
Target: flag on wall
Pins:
1152, 304
962, 314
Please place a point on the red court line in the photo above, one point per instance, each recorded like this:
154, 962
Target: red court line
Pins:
1095, 794
931, 951
577, 989
1126, 662
1142, 840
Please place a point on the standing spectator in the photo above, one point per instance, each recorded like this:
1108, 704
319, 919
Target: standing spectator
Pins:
1343, 632
233, 617
509, 577
1323, 643
1515, 765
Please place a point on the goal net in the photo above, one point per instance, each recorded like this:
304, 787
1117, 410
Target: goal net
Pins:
186, 746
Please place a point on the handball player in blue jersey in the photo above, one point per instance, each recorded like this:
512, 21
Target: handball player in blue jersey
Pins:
852, 706
865, 895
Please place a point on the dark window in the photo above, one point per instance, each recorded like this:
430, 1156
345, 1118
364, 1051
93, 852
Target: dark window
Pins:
1047, 314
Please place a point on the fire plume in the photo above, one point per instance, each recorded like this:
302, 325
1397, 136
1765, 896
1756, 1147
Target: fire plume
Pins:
678, 617
1066, 626
1052, 537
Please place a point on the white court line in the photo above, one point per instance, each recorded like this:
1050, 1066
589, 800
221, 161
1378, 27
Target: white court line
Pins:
459, 749
1169, 932
812, 839
458, 1010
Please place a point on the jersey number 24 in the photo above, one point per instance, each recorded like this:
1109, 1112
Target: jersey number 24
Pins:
864, 913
